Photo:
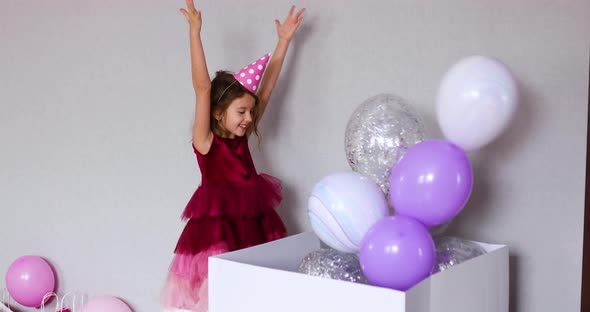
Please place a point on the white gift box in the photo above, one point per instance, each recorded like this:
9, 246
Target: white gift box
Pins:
265, 278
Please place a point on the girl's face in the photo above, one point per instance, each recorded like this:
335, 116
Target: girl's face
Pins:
238, 116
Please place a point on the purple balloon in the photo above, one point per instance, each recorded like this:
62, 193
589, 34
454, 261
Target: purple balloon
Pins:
28, 279
431, 182
397, 252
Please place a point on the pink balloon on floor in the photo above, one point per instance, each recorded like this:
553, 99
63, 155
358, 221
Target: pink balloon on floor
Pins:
28, 279
106, 304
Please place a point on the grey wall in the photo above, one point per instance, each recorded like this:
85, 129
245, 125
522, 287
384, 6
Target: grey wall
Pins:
95, 118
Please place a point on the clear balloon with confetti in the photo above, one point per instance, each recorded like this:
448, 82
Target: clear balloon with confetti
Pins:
378, 133
333, 264
451, 251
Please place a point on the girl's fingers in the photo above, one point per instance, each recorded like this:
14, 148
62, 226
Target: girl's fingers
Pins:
190, 5
291, 10
185, 13
190, 10
277, 23
299, 13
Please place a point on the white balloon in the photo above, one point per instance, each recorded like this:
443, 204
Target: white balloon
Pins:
476, 99
343, 206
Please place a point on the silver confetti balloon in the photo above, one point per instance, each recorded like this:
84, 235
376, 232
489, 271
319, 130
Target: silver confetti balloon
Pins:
333, 264
451, 251
378, 133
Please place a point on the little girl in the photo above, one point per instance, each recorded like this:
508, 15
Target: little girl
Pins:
233, 208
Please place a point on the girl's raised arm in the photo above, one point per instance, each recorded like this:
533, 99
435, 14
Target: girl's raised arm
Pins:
202, 135
286, 30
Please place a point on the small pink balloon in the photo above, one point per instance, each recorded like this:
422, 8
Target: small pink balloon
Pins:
106, 304
28, 279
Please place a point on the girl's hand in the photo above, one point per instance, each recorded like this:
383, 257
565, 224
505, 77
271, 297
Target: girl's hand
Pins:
290, 25
192, 15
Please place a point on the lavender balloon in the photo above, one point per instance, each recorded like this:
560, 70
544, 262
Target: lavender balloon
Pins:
397, 252
432, 182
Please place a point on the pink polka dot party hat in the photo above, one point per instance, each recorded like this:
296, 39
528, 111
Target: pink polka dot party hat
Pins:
251, 75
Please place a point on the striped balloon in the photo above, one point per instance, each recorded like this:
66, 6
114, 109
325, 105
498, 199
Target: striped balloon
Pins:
343, 206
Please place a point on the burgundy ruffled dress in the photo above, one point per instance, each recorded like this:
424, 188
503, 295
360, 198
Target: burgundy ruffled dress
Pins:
233, 208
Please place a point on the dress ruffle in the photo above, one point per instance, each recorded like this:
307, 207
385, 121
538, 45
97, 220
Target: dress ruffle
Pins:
256, 197
186, 286
236, 232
